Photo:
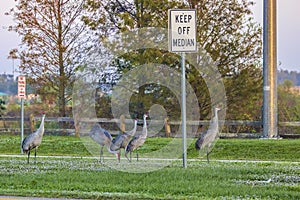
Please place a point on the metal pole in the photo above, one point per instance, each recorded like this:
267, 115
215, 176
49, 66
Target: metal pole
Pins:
270, 69
22, 122
183, 110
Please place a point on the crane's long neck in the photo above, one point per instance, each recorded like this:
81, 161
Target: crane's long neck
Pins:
41, 128
132, 132
215, 119
145, 127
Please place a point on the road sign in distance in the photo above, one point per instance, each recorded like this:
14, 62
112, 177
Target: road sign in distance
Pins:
21, 86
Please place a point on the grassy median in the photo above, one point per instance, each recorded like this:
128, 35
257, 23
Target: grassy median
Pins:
255, 169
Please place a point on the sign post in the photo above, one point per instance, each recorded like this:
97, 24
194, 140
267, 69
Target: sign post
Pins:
182, 39
21, 95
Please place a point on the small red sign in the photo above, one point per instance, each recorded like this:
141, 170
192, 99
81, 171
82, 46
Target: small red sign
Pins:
21, 86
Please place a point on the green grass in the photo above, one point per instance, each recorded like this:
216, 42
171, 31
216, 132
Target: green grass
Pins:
257, 149
86, 178
233, 149
277, 177
51, 145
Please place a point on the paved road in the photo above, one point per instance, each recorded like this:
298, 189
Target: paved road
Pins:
154, 159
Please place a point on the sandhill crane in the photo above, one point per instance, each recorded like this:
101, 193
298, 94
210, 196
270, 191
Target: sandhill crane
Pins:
122, 140
34, 140
102, 137
209, 135
137, 141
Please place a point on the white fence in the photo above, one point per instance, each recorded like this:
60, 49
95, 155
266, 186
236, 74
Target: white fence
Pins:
66, 126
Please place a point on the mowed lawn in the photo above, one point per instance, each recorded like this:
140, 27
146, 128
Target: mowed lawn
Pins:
239, 169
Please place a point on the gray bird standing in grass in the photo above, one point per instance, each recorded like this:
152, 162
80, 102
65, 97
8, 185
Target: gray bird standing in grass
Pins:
34, 140
207, 137
102, 137
137, 141
122, 140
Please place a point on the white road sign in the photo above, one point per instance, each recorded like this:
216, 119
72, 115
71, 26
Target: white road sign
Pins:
182, 30
21, 86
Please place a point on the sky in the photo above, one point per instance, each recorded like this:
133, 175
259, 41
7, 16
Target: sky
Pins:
288, 34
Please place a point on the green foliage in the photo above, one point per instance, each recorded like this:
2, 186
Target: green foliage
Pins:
55, 40
288, 106
225, 38
103, 107
2, 107
13, 109
244, 95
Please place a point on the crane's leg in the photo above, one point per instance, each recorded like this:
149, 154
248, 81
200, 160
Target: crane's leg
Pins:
119, 156
137, 156
28, 157
101, 154
35, 155
207, 153
126, 156
130, 155
207, 156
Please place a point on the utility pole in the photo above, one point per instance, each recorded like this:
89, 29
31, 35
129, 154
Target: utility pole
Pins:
270, 117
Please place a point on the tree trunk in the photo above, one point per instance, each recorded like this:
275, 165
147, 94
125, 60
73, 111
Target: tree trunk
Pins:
62, 78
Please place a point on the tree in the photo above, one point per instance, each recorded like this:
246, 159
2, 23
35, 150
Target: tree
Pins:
120, 16
225, 30
288, 106
53, 45
228, 33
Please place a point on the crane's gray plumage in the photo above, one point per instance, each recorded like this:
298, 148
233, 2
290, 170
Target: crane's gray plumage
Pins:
34, 140
122, 140
137, 141
103, 138
209, 135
